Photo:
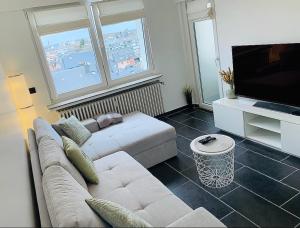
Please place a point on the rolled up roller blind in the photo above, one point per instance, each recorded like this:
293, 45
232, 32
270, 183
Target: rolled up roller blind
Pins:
116, 11
60, 19
198, 9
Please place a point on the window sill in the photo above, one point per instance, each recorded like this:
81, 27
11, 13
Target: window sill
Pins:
102, 93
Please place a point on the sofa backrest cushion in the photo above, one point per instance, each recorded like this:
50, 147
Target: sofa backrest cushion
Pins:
43, 128
50, 154
75, 130
66, 200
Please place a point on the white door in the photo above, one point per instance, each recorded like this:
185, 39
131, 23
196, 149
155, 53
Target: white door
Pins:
206, 61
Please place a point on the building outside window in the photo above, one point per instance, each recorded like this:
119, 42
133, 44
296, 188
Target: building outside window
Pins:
71, 60
125, 48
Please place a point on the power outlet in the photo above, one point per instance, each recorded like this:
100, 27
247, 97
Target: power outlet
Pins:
32, 90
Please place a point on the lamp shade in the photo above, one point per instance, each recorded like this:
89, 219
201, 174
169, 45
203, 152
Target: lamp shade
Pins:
19, 91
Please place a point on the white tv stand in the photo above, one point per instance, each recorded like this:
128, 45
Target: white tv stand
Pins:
275, 129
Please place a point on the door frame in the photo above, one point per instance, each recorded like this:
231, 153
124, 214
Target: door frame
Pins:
196, 64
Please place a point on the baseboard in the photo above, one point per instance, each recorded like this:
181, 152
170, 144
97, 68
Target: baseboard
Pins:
179, 109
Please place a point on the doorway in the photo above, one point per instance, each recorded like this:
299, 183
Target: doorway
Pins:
206, 61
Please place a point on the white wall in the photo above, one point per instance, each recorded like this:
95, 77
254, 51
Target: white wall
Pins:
255, 22
16, 207
18, 52
168, 50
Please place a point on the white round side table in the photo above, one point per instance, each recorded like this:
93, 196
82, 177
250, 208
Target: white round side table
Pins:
214, 160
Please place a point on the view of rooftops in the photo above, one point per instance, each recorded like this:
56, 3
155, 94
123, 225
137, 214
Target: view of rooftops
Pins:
71, 57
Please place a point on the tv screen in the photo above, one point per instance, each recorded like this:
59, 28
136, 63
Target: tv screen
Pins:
268, 72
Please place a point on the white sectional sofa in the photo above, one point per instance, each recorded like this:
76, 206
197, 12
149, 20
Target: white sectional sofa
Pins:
61, 190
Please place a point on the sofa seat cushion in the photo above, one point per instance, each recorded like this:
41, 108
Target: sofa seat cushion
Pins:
126, 182
66, 200
136, 134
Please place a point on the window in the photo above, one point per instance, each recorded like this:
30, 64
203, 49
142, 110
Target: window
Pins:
71, 60
83, 54
125, 48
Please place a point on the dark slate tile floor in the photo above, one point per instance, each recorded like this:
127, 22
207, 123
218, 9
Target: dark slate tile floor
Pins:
266, 187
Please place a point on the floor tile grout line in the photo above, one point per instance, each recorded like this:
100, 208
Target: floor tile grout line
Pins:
189, 114
180, 184
285, 158
200, 118
270, 177
227, 193
288, 175
239, 169
179, 111
191, 117
184, 125
268, 157
242, 186
186, 157
239, 162
241, 216
217, 198
189, 126
230, 213
186, 137
290, 199
180, 151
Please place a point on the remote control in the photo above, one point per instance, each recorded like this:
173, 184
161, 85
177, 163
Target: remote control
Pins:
206, 140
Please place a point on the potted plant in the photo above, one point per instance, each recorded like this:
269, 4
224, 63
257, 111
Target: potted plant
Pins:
227, 77
188, 93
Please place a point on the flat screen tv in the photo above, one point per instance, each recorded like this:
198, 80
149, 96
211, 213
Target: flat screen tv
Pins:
268, 72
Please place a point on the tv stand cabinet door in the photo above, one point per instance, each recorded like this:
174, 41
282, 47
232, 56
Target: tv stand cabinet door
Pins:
290, 138
229, 119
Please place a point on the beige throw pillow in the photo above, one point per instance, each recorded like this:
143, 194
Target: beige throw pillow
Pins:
80, 160
75, 130
109, 119
115, 214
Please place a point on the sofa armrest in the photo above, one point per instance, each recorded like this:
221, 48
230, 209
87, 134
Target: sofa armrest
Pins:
91, 125
198, 218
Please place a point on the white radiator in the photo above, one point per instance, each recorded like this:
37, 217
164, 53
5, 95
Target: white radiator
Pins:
146, 99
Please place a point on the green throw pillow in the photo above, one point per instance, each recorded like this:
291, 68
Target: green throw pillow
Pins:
80, 160
115, 214
75, 130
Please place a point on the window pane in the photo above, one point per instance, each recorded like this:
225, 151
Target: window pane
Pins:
71, 60
125, 47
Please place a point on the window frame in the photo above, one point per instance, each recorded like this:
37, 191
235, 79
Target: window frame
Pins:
133, 77
55, 97
96, 36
